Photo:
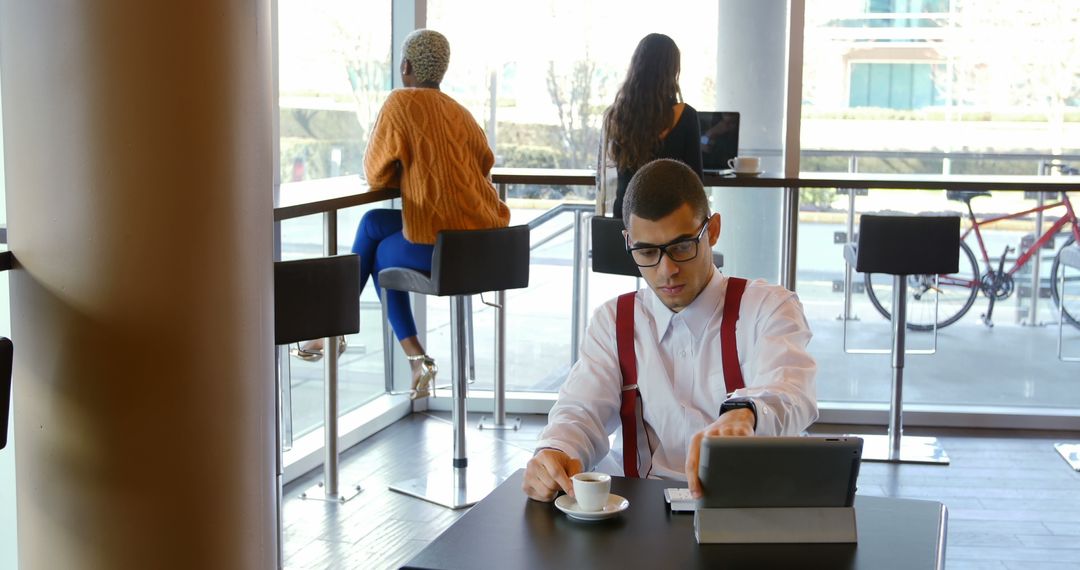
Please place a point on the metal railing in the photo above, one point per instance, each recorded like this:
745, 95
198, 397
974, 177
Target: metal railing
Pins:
579, 304
582, 212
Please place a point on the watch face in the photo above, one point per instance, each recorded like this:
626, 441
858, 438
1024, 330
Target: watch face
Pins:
739, 403
736, 403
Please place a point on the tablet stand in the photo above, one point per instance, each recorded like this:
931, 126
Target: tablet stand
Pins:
775, 525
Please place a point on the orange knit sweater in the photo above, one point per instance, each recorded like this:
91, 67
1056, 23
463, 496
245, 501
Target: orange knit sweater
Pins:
430, 147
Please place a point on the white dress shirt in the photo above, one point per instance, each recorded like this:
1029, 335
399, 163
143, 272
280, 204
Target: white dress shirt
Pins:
681, 377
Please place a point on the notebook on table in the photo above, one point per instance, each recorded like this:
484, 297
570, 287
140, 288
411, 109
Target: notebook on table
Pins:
719, 140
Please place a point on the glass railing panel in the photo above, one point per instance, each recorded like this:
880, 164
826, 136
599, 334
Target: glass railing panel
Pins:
362, 372
539, 317
1012, 363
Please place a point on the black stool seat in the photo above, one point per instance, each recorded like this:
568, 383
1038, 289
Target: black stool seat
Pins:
467, 262
316, 298
908, 245
609, 253
964, 195
6, 352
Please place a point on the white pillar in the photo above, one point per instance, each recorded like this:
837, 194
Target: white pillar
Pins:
139, 176
751, 70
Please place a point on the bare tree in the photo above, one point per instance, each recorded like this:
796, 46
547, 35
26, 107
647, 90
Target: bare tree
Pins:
366, 68
303, 118
1015, 54
575, 96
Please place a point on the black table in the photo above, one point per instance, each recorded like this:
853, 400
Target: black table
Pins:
507, 530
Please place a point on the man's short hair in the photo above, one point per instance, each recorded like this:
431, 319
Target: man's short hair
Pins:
661, 187
429, 53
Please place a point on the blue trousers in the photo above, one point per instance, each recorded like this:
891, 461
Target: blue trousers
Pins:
380, 244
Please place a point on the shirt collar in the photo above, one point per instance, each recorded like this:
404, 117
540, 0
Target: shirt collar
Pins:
697, 314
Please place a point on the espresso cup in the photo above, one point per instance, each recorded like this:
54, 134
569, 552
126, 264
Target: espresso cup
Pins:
745, 163
591, 490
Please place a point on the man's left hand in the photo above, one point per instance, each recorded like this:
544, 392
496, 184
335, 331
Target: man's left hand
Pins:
732, 424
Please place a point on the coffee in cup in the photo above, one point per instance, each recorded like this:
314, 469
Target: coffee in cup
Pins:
591, 490
745, 164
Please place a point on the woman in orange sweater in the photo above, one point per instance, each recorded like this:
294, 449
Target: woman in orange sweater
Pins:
430, 147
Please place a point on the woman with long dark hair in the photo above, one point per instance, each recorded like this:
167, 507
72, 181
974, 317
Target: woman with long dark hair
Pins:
649, 119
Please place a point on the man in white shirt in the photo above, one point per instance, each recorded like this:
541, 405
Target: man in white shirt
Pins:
682, 390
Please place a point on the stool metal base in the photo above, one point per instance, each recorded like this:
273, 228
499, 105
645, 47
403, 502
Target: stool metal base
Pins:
488, 422
913, 449
317, 492
1070, 452
455, 489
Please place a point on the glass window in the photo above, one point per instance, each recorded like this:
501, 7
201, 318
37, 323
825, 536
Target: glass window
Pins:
539, 97
895, 85
334, 74
985, 89
541, 94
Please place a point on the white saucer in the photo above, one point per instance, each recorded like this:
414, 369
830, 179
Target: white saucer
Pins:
748, 174
615, 505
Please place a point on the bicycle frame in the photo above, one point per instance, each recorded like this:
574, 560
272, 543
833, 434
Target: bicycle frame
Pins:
1070, 216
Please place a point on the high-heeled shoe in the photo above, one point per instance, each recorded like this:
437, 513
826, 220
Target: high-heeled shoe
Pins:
421, 383
315, 354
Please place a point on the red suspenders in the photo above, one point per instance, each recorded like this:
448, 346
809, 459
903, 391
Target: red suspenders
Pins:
624, 339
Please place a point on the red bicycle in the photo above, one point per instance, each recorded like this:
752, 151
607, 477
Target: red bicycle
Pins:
958, 291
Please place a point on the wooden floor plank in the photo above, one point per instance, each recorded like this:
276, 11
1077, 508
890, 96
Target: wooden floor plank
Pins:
1012, 502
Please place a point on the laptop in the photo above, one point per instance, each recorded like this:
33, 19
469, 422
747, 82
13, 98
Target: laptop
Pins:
755, 472
719, 140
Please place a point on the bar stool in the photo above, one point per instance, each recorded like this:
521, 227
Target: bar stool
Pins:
465, 262
609, 253
318, 298
1070, 258
6, 352
903, 246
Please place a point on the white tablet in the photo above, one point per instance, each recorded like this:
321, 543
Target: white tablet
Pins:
749, 472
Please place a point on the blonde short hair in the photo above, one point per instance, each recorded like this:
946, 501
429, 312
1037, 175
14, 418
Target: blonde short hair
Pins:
429, 53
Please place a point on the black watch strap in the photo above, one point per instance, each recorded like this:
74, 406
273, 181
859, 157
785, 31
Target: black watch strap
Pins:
738, 404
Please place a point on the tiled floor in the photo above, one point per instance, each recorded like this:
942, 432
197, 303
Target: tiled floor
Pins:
1013, 502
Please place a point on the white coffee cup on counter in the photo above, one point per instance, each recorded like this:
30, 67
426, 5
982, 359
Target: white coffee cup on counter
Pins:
745, 164
591, 490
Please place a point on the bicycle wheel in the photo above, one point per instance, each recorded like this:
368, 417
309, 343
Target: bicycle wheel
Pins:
1071, 313
958, 293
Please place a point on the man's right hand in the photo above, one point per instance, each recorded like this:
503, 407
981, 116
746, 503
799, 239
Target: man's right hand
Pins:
548, 472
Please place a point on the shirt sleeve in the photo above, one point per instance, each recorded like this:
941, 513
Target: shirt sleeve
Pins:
385, 149
587, 409
781, 371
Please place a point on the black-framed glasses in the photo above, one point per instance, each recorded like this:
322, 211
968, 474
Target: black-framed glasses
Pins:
678, 251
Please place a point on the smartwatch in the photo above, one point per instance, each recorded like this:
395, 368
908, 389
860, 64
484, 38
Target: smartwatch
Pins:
738, 404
